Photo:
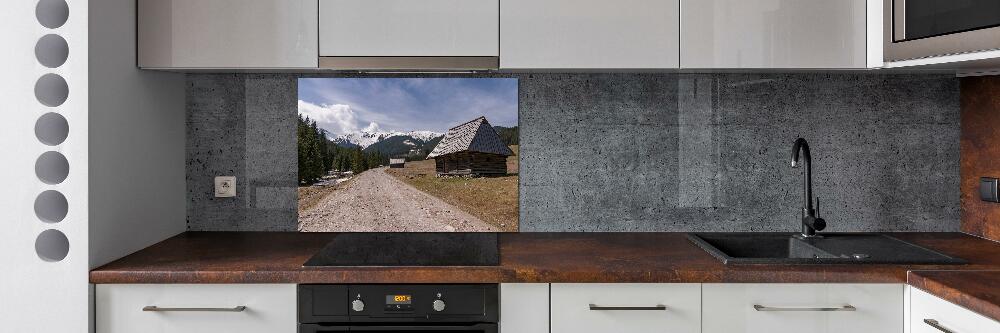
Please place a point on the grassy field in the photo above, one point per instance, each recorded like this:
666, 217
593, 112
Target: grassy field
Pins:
491, 199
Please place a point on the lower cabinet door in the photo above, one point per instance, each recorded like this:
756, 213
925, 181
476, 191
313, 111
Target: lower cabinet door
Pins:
625, 308
802, 308
189, 308
930, 314
524, 308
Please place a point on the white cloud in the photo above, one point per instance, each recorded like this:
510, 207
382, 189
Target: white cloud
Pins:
372, 127
337, 119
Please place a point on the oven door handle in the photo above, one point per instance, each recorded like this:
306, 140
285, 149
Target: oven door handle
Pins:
308, 328
485, 328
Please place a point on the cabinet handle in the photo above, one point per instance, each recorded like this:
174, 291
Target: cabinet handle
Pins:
759, 307
154, 308
935, 324
657, 307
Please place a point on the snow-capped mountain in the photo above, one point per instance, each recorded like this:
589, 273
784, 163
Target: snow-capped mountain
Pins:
366, 138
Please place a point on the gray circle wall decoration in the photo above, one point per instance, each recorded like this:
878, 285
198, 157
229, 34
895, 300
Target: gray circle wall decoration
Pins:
52, 13
51, 206
52, 129
52, 245
51, 90
52, 167
51, 51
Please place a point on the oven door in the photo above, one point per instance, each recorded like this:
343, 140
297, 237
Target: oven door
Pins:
927, 28
474, 328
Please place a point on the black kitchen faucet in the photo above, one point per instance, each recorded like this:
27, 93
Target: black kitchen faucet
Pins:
810, 221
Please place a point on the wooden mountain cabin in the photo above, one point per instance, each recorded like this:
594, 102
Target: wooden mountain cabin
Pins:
473, 148
396, 163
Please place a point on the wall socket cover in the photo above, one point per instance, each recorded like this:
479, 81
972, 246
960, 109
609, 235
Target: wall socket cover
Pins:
225, 187
988, 189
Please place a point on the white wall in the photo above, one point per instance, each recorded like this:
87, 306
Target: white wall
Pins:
125, 182
38, 295
137, 122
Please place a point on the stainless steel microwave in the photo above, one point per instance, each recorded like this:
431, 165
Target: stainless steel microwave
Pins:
929, 28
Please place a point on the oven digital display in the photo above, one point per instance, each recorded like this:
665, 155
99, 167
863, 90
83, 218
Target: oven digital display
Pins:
398, 299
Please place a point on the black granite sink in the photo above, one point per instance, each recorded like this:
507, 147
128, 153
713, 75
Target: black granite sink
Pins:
834, 248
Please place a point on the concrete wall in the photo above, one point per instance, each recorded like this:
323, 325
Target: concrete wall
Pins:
641, 152
244, 126
713, 152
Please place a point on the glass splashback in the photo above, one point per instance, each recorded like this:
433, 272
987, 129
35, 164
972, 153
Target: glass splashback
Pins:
407, 154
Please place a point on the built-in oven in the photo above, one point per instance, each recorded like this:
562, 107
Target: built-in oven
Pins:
928, 28
384, 308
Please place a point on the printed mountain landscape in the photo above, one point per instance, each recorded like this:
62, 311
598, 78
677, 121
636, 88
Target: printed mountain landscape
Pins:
413, 145
408, 155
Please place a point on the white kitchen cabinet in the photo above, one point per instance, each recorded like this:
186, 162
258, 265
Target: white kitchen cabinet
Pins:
624, 34
227, 34
408, 28
802, 308
927, 310
524, 308
625, 307
269, 308
775, 34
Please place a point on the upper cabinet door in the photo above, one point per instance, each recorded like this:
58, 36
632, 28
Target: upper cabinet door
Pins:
227, 33
621, 34
774, 34
409, 28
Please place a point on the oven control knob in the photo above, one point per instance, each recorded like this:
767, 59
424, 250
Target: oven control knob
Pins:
438, 305
358, 305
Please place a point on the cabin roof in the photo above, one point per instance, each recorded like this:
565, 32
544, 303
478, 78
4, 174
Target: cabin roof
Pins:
475, 135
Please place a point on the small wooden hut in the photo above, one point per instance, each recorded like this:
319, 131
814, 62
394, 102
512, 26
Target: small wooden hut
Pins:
473, 148
396, 163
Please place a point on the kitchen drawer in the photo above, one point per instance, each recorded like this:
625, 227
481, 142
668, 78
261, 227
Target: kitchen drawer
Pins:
948, 316
802, 308
626, 308
269, 308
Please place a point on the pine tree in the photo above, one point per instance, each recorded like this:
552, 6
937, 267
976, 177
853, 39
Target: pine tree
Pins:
330, 154
302, 133
311, 150
357, 161
316, 150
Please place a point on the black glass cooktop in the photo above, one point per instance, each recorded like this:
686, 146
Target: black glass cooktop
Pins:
409, 249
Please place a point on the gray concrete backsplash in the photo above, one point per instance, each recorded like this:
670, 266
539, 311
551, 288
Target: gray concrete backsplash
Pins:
639, 152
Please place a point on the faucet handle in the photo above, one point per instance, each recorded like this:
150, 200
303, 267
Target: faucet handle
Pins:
817, 206
818, 224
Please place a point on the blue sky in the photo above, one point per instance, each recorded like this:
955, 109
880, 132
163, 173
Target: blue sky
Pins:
347, 105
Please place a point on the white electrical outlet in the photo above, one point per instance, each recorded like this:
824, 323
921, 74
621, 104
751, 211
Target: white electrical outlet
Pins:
225, 187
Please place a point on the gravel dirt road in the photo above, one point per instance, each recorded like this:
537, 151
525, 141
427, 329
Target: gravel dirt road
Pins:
376, 201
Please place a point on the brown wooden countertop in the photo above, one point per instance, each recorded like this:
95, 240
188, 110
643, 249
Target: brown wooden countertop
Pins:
274, 257
978, 291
